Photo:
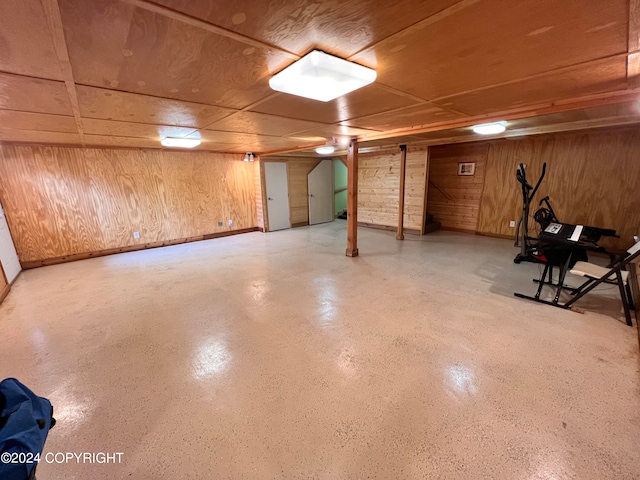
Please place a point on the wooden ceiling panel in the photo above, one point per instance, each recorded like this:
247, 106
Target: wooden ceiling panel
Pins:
493, 41
163, 57
249, 142
115, 141
144, 69
232, 138
599, 76
130, 129
29, 136
366, 101
611, 114
625, 113
96, 33
260, 123
113, 105
405, 118
26, 47
335, 26
12, 119
29, 94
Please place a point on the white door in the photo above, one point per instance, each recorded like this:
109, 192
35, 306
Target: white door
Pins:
320, 184
8, 255
275, 175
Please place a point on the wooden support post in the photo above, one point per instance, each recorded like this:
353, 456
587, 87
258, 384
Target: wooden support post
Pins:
352, 199
403, 171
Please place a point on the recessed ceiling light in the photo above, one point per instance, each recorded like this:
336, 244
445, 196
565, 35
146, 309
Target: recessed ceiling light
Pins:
323, 77
490, 128
344, 141
180, 142
325, 150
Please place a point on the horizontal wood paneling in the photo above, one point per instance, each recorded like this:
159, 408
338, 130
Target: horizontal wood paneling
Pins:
591, 180
67, 201
456, 201
379, 183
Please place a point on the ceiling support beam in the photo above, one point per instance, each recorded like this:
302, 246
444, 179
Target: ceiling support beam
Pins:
54, 20
352, 199
403, 172
608, 98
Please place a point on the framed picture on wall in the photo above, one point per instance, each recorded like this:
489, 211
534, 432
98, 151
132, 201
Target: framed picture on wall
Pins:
467, 168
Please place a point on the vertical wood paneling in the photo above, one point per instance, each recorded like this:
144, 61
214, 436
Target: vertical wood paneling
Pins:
66, 201
298, 168
455, 202
379, 183
592, 179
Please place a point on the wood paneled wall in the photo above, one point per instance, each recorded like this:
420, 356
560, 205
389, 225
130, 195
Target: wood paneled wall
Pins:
454, 200
66, 201
298, 172
298, 168
592, 179
379, 183
258, 186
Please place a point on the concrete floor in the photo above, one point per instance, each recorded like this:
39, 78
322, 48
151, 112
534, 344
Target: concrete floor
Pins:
275, 356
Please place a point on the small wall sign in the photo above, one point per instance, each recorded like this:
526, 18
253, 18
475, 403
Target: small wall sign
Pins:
468, 168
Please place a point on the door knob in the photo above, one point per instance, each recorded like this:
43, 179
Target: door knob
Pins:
269, 198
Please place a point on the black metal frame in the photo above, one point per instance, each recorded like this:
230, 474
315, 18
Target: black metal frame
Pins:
523, 240
615, 267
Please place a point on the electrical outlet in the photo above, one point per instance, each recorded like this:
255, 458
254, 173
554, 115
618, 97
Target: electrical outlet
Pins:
512, 224
231, 223
220, 224
136, 235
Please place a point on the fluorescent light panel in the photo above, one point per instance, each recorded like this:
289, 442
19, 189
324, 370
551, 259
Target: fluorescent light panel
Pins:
490, 128
180, 142
322, 77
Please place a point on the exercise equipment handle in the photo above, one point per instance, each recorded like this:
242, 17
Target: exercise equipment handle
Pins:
544, 172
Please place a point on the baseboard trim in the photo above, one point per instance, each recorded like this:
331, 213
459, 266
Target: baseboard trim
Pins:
131, 248
409, 231
496, 235
4, 292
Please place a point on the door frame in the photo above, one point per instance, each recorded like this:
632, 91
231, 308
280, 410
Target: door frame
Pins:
265, 204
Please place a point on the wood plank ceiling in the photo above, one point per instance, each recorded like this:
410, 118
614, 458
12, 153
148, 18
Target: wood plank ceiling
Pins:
131, 72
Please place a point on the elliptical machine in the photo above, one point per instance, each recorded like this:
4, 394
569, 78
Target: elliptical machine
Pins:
529, 251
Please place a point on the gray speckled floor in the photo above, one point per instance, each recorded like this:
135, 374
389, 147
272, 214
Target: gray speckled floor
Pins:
275, 356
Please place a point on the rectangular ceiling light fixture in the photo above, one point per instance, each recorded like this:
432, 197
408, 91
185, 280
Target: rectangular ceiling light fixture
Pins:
180, 142
323, 77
